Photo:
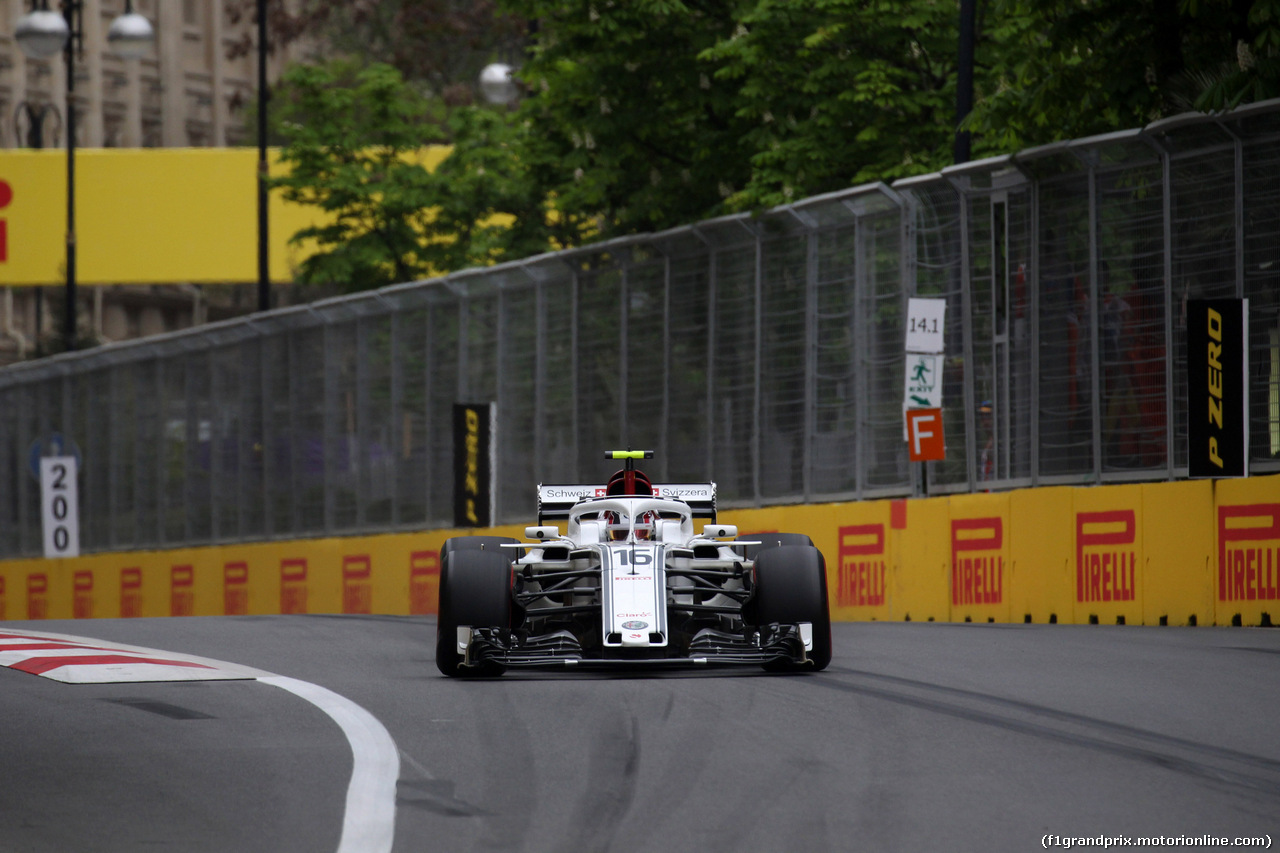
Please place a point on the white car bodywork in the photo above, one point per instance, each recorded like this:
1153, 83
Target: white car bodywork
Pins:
634, 556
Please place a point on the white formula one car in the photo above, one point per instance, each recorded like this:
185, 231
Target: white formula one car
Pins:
631, 583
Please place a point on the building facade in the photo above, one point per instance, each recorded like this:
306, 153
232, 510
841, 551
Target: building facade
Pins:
195, 89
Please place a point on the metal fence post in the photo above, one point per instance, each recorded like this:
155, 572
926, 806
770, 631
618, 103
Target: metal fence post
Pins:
966, 309
757, 395
810, 358
1095, 294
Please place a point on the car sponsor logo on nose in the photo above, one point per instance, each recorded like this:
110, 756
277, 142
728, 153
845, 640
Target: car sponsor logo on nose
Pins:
635, 626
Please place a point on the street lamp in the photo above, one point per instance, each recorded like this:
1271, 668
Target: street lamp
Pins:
497, 85
264, 266
41, 33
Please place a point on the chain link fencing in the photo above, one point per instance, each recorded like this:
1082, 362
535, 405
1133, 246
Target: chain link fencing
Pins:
765, 353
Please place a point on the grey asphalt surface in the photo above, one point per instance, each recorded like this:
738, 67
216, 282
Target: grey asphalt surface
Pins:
919, 737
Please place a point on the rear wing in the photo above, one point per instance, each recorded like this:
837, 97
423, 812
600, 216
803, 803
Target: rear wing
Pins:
556, 501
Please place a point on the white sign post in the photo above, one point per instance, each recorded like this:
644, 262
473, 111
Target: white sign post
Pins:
926, 332
926, 324
59, 506
923, 388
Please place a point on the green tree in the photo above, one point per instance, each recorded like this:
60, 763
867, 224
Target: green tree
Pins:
642, 115
354, 144
840, 92
632, 129
1070, 69
353, 140
440, 44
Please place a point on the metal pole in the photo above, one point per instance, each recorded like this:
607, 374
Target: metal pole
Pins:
964, 78
264, 280
1096, 292
71, 11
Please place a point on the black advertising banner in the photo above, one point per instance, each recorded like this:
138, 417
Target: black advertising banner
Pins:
473, 464
1218, 388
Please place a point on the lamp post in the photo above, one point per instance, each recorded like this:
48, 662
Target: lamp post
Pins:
41, 33
264, 270
35, 114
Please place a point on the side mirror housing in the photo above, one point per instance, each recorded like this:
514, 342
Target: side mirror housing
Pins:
542, 533
720, 531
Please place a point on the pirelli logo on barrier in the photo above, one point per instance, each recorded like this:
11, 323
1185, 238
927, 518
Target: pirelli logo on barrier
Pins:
3, 615
38, 596
235, 588
182, 599
1106, 570
293, 585
1249, 552
424, 582
977, 560
357, 584
82, 595
131, 592
861, 581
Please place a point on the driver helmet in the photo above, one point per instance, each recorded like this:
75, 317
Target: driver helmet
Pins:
618, 525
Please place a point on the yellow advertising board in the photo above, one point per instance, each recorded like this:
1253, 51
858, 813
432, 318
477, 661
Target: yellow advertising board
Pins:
1108, 556
1177, 544
1246, 552
1196, 552
921, 560
147, 216
858, 566
1042, 577
979, 546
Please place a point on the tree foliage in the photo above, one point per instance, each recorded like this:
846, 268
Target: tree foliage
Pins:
1070, 69
441, 44
354, 136
646, 114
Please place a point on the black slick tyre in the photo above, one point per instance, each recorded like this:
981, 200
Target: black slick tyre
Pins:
791, 587
479, 543
772, 540
475, 590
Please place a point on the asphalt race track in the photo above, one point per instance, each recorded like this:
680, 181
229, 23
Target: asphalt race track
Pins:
919, 737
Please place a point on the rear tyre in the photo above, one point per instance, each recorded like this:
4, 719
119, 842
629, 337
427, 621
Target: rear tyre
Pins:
791, 587
475, 590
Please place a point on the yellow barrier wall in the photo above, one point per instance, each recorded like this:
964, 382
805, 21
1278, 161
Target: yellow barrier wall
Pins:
1042, 571
1198, 552
921, 586
1246, 554
1177, 541
1107, 555
978, 541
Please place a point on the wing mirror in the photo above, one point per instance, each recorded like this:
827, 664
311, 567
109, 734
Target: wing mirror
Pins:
720, 531
542, 533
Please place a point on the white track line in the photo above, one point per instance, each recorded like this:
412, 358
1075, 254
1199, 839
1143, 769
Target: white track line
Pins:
370, 820
369, 824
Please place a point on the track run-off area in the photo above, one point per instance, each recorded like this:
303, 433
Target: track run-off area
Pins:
338, 733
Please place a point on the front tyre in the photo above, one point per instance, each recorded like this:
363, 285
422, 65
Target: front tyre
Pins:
475, 590
791, 587
773, 540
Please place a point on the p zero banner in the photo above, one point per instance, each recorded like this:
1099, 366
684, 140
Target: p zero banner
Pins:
1218, 388
473, 468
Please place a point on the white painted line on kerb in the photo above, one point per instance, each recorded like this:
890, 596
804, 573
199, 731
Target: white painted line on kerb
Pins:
370, 820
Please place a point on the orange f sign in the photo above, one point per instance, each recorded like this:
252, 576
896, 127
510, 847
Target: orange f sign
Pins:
924, 435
